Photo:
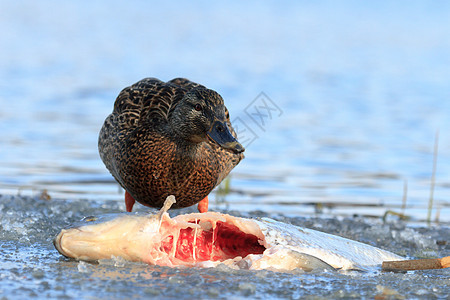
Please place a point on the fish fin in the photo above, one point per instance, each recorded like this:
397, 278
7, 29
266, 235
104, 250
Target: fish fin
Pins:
170, 200
308, 262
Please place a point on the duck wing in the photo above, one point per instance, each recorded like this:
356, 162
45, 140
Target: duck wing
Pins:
147, 101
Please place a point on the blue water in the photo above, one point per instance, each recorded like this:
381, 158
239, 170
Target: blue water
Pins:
357, 93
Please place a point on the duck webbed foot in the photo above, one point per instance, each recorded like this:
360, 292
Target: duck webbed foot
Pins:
129, 202
203, 205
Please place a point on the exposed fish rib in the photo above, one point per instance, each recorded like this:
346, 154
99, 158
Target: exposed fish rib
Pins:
194, 246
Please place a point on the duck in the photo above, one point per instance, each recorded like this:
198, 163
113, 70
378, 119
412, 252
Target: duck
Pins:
169, 138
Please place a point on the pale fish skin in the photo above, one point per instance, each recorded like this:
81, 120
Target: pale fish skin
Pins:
153, 239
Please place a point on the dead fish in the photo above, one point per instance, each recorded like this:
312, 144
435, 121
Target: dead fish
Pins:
209, 239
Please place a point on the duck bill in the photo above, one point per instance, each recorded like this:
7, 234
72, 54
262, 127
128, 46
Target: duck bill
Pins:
220, 134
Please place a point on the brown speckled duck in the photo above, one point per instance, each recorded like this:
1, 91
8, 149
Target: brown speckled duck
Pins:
169, 138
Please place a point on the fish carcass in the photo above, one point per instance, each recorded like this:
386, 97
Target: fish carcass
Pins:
208, 239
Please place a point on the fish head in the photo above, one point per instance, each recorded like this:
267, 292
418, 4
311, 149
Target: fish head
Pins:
96, 238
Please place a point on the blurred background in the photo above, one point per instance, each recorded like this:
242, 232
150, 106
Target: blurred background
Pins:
353, 94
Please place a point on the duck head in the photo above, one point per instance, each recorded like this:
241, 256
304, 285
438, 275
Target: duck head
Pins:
200, 116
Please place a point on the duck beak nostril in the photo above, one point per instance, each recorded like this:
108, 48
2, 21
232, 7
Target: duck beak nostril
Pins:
220, 134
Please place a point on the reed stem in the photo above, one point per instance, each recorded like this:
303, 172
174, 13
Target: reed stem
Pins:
433, 177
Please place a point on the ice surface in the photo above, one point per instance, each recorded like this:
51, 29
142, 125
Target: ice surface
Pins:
27, 252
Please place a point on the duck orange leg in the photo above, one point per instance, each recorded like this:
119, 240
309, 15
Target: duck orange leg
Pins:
129, 202
203, 205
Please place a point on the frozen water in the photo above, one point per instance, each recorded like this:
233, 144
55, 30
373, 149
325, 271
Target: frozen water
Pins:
31, 267
417, 240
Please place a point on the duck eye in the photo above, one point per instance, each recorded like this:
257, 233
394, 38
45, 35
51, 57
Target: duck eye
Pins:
198, 107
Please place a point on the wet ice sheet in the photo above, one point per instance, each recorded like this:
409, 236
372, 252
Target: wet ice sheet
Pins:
30, 266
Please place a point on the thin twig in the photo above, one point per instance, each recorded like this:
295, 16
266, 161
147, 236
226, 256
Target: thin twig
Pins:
416, 264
